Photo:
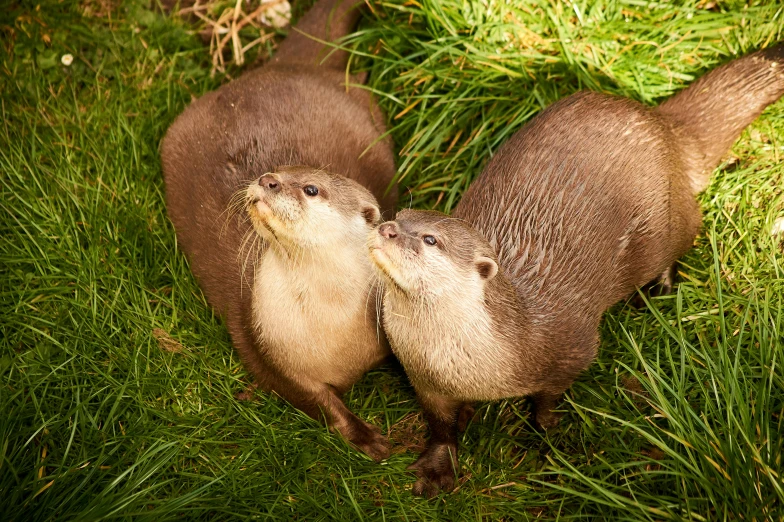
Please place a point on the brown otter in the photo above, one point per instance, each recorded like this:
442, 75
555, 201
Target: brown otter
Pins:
593, 198
302, 331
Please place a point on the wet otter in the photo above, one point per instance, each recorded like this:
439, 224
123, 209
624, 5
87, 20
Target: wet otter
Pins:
593, 198
294, 110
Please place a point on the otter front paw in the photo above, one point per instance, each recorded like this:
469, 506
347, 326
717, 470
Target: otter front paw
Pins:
435, 468
368, 439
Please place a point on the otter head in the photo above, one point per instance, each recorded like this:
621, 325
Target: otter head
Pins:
303, 207
428, 254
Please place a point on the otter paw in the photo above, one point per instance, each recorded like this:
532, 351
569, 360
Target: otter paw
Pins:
435, 469
548, 420
368, 439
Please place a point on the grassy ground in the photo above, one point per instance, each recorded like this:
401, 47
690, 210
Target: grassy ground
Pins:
121, 397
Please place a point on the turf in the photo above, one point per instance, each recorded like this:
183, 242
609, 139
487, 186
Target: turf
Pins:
120, 394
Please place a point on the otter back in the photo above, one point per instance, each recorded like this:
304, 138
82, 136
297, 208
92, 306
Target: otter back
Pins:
590, 200
295, 110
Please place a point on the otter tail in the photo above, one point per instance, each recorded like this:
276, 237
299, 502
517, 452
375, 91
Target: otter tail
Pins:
709, 115
327, 21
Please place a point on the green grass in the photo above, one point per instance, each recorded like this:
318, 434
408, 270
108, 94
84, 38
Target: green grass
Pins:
102, 415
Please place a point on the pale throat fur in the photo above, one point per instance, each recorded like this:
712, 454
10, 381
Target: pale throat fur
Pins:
313, 297
440, 329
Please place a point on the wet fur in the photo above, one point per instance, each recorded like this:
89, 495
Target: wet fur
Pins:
592, 199
295, 110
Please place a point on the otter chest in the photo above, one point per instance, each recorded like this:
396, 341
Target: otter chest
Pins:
460, 359
309, 321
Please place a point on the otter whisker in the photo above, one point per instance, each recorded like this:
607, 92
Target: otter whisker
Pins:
371, 283
367, 297
237, 203
380, 289
252, 237
248, 236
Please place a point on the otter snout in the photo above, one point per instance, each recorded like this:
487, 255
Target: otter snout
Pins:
388, 230
384, 245
394, 236
269, 183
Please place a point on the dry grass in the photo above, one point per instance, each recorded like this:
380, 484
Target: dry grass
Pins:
122, 398
237, 30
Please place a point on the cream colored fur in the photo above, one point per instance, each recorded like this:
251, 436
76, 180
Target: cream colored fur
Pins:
313, 290
438, 326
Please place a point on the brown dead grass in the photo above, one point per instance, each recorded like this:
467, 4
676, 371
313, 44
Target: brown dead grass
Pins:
233, 29
166, 341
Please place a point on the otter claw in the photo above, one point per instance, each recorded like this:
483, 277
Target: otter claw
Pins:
427, 488
435, 471
368, 439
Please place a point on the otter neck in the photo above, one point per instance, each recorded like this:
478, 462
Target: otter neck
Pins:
516, 326
465, 344
336, 274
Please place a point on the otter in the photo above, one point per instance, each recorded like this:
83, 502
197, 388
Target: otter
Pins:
592, 199
273, 182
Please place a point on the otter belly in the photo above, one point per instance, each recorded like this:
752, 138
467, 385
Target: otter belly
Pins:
313, 327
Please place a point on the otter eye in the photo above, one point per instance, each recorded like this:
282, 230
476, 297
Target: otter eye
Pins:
429, 240
310, 190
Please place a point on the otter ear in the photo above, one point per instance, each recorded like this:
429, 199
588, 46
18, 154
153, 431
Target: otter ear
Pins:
371, 213
486, 267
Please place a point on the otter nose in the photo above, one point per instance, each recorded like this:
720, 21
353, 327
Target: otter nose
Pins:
388, 230
269, 182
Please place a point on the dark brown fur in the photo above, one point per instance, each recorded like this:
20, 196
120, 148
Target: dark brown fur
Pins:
295, 110
592, 199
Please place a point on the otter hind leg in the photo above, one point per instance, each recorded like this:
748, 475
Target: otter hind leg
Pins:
666, 281
660, 286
